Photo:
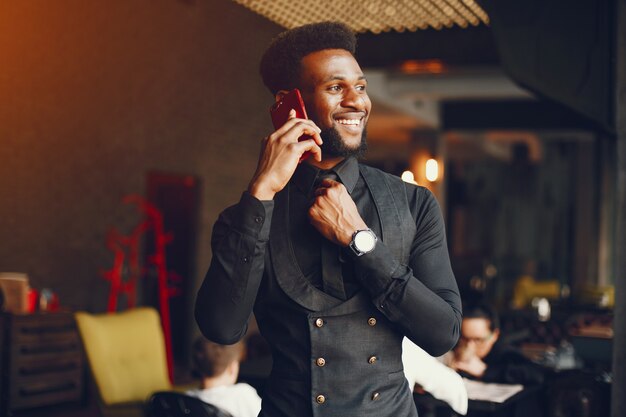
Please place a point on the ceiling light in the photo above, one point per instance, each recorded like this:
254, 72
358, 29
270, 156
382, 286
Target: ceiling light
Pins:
372, 15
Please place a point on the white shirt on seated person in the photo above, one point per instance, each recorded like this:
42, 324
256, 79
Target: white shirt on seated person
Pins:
218, 366
240, 400
433, 376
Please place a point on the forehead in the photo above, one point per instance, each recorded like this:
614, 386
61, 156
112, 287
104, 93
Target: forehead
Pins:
328, 64
475, 326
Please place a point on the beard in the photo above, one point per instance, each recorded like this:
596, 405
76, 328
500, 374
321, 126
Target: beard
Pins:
335, 146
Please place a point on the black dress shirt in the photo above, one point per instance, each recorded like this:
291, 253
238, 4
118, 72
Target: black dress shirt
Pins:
431, 301
266, 257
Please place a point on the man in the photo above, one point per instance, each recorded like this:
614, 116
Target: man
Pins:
338, 260
218, 367
478, 354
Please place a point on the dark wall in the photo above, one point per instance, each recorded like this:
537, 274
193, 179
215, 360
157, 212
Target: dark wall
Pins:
93, 96
618, 406
560, 49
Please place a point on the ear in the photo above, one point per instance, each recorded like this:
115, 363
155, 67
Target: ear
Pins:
496, 335
280, 94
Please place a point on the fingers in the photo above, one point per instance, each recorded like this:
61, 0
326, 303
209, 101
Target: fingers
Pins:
294, 121
289, 137
311, 146
294, 128
327, 182
325, 185
319, 191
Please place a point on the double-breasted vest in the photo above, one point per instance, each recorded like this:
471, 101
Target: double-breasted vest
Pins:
333, 357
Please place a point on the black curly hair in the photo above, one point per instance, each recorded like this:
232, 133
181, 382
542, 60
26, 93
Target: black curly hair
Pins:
280, 64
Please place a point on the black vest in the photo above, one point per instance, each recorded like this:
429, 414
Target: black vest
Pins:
333, 357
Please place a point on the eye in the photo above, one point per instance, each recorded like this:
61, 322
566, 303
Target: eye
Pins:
361, 87
335, 87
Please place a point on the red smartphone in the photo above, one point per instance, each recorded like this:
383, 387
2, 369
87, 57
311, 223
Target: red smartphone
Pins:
280, 113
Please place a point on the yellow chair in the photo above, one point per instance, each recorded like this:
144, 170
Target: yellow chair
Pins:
126, 354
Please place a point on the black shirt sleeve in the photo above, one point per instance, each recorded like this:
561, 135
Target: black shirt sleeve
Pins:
225, 300
422, 298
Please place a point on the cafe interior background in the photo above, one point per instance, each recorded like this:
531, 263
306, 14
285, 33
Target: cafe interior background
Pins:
506, 110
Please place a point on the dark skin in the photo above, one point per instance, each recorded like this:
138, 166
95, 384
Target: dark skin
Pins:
333, 90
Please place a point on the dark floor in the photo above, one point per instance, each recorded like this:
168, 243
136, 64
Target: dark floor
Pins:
61, 410
88, 405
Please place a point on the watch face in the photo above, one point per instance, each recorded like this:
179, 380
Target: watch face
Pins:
364, 241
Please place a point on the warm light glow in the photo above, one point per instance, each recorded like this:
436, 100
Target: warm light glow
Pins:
407, 176
424, 66
432, 170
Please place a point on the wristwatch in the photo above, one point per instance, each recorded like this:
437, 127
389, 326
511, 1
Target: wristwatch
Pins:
363, 241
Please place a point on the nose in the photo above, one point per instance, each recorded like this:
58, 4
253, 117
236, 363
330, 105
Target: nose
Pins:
355, 99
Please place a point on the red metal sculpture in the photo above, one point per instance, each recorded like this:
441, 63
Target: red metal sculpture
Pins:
127, 268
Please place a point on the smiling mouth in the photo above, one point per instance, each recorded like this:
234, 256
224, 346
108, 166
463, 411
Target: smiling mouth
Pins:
350, 121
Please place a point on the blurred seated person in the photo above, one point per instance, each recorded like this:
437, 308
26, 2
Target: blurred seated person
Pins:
425, 372
480, 355
218, 367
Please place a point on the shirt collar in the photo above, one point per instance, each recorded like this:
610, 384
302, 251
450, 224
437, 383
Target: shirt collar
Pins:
348, 173
347, 170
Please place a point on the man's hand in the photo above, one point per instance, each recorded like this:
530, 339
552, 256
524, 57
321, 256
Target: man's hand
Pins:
470, 364
334, 213
280, 153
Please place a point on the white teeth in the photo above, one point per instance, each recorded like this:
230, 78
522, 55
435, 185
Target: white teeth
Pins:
354, 122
